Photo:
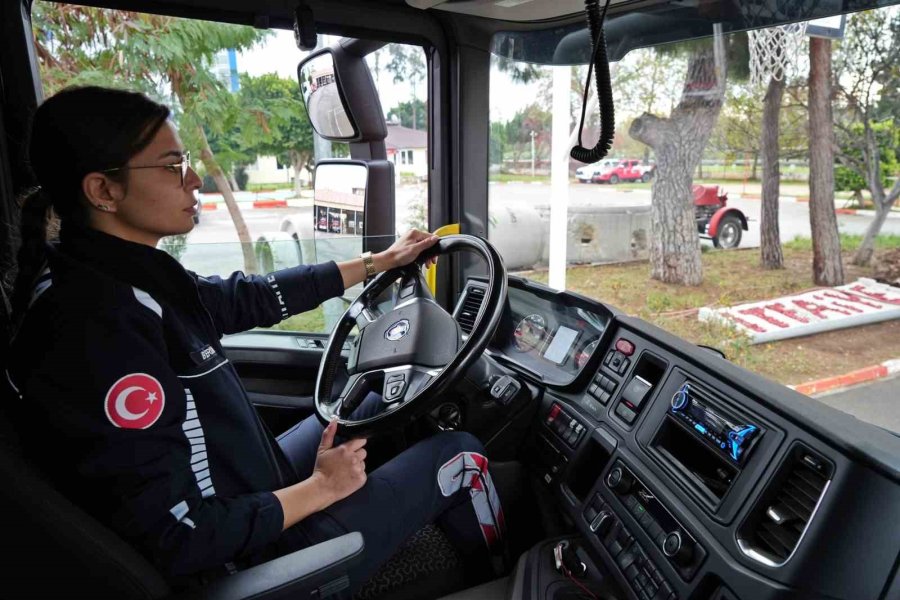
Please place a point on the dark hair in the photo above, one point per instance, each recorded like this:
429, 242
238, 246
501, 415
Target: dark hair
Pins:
77, 131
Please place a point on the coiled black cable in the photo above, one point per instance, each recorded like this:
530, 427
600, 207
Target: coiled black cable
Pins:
604, 88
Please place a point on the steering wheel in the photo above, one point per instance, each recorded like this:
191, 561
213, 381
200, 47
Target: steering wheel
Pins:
411, 354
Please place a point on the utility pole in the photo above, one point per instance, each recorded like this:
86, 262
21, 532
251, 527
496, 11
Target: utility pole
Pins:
533, 135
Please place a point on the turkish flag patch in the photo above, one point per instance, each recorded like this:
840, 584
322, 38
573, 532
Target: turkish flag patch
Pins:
135, 401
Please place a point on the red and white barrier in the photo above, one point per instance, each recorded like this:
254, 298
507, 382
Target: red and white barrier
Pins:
862, 302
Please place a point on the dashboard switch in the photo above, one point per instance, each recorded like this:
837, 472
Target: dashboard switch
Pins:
624, 346
625, 413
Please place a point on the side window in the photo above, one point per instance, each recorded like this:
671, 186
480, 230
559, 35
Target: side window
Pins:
244, 120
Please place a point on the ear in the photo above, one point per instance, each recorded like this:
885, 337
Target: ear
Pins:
102, 192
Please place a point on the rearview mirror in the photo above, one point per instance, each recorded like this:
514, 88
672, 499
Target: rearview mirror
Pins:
324, 99
339, 197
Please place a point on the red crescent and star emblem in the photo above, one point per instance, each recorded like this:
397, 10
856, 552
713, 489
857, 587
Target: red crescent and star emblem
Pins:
135, 401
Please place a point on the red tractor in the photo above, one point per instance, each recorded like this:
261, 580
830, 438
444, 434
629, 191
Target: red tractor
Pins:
716, 221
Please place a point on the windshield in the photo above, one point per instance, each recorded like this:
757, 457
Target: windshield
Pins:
719, 214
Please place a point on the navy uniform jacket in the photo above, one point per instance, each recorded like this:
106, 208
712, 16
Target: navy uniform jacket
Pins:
130, 405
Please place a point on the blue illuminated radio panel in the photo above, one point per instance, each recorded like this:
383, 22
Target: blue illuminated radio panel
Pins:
731, 436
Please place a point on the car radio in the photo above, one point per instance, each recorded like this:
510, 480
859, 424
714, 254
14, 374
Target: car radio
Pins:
729, 435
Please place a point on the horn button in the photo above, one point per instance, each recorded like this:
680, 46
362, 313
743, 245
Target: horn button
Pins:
419, 333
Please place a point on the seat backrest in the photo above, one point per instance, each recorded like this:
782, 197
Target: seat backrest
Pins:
52, 548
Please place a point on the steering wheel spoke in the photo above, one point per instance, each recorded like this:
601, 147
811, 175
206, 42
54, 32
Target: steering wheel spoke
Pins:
404, 382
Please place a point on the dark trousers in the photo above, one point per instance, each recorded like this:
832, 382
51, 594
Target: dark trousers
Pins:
442, 480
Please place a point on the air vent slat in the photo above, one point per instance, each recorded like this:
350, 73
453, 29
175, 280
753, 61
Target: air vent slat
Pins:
779, 521
468, 314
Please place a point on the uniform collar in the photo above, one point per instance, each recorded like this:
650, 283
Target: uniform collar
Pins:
141, 266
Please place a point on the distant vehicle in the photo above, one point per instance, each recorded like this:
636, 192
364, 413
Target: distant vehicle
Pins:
715, 220
587, 173
629, 169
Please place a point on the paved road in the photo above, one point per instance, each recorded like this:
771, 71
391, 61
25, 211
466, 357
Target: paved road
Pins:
877, 402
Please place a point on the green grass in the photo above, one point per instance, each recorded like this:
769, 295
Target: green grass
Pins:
512, 177
849, 242
308, 322
256, 187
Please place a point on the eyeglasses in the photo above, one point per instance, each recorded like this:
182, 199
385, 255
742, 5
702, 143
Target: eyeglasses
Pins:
180, 167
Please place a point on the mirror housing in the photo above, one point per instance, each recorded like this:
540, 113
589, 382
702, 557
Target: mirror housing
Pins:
324, 77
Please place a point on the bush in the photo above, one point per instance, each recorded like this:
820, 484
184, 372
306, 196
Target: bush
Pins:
848, 180
241, 177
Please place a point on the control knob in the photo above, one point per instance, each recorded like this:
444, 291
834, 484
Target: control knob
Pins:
619, 481
680, 550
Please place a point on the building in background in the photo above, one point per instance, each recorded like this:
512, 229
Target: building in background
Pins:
408, 149
225, 69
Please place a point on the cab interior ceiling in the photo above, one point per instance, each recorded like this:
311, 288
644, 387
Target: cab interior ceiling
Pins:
535, 31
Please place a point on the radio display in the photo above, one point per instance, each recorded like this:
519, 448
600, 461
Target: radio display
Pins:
731, 436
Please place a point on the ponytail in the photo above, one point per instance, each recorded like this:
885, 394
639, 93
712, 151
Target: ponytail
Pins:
32, 254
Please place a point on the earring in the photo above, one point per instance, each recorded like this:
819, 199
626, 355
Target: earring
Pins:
103, 207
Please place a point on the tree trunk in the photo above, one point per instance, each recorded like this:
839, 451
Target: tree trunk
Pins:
866, 249
298, 162
678, 144
233, 183
770, 236
827, 266
215, 171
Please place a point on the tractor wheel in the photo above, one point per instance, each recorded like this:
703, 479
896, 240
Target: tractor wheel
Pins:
728, 235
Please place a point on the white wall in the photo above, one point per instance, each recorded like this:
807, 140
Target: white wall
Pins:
265, 170
419, 166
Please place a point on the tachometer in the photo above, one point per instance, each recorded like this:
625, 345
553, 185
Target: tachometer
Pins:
585, 353
530, 332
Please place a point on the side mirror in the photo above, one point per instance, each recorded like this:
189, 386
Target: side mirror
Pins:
324, 99
340, 96
339, 197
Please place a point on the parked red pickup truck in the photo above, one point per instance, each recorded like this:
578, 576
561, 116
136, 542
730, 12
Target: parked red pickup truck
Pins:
628, 169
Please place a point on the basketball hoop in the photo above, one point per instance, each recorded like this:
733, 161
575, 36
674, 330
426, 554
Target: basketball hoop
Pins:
773, 50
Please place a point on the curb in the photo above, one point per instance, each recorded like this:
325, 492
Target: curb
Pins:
870, 373
269, 203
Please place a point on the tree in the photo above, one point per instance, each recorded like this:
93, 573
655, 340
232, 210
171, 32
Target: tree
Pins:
411, 114
273, 122
868, 74
162, 56
827, 266
771, 256
678, 142
407, 63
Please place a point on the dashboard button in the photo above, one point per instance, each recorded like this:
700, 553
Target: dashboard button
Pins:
593, 389
396, 377
624, 346
623, 366
626, 413
608, 358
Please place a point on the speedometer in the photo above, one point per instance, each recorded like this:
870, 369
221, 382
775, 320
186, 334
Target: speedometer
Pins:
530, 332
582, 357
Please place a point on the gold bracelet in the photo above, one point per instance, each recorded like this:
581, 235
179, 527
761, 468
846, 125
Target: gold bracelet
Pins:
368, 263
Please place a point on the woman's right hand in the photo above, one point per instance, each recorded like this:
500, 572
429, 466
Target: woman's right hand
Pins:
341, 470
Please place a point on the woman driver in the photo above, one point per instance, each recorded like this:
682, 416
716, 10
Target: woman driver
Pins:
128, 402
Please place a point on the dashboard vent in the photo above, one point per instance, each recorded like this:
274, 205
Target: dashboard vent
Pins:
778, 522
468, 314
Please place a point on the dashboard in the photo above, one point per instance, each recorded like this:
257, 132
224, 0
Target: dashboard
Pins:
551, 334
689, 477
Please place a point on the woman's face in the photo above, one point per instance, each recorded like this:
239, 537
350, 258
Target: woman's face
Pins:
155, 203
